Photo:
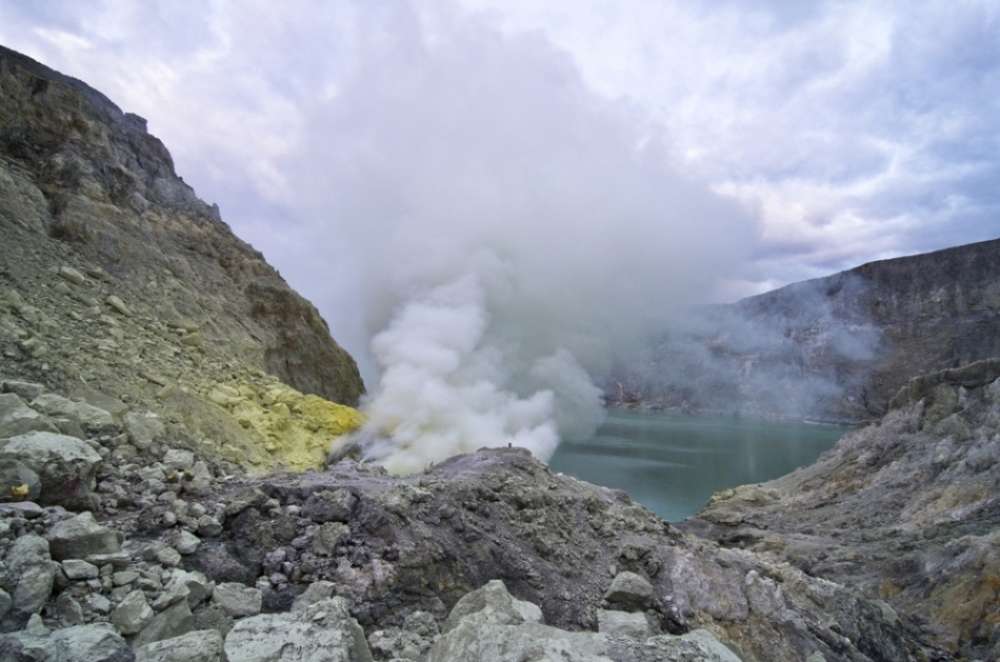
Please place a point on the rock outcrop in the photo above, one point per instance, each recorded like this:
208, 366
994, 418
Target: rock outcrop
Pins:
906, 510
117, 284
835, 348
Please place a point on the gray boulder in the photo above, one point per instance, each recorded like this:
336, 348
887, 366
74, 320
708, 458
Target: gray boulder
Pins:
30, 573
80, 537
623, 624
490, 635
133, 613
238, 600
197, 646
321, 590
323, 632
630, 591
77, 569
97, 642
17, 418
143, 428
491, 603
330, 505
66, 465
169, 623
26, 390
87, 416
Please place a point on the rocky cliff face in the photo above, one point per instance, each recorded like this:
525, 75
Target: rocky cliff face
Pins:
835, 348
116, 281
907, 510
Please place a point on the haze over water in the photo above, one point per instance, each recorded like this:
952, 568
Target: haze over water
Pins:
673, 463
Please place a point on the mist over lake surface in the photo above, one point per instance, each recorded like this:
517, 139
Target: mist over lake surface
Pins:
672, 463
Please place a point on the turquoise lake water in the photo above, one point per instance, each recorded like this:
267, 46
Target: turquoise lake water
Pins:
673, 463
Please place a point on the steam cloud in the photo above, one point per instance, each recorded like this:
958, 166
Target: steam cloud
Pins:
511, 232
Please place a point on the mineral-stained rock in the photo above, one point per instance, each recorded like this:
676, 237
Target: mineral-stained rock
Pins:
97, 642
18, 482
196, 646
323, 632
79, 182
66, 465
81, 537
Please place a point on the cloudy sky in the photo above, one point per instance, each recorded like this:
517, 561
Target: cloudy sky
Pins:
833, 132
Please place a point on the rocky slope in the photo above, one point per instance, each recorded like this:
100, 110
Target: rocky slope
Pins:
835, 348
907, 510
118, 543
118, 284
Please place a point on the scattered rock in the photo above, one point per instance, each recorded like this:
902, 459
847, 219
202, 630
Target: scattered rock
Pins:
97, 642
81, 537
629, 591
623, 624
132, 614
27, 391
16, 417
118, 305
169, 623
238, 600
88, 416
143, 428
18, 482
493, 604
178, 459
65, 465
196, 646
316, 592
75, 569
186, 542
328, 536
330, 505
323, 632
72, 275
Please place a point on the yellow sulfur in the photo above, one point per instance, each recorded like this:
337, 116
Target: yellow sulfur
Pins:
293, 430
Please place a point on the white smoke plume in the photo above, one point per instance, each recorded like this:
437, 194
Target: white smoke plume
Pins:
509, 231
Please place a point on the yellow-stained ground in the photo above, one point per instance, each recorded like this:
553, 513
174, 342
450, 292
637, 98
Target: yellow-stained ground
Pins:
269, 425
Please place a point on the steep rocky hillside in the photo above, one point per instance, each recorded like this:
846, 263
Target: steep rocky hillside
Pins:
118, 284
906, 510
833, 348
